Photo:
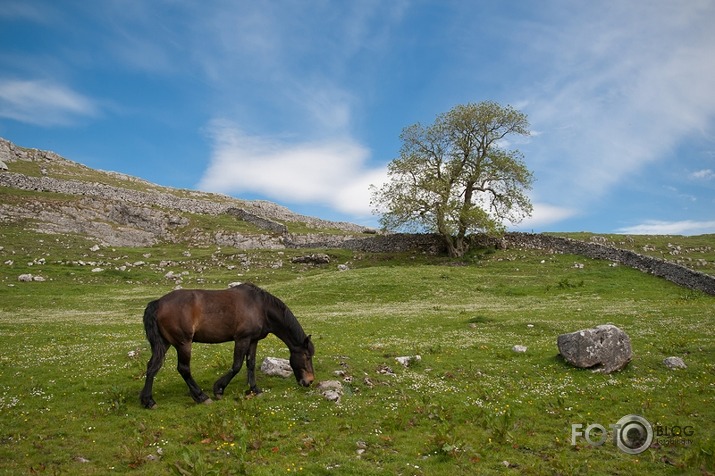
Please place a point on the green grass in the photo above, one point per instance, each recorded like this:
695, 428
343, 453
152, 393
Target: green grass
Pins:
73, 354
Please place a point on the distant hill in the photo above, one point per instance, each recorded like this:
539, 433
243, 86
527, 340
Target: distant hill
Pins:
53, 194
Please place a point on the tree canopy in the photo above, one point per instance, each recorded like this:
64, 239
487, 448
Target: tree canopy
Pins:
457, 177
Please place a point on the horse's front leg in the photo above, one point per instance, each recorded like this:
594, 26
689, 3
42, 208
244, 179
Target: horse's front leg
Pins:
251, 366
239, 353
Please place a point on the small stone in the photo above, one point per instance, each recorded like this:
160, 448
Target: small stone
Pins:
519, 349
674, 363
406, 361
331, 390
276, 366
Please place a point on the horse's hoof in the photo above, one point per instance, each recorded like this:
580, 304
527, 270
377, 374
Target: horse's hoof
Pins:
208, 401
253, 392
218, 396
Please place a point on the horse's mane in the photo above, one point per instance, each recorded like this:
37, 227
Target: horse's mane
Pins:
283, 314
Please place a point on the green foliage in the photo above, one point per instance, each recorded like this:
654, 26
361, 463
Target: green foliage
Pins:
74, 353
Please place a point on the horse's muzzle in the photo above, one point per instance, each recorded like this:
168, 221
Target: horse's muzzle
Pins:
307, 380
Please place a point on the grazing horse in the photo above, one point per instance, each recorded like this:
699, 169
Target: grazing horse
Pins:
244, 314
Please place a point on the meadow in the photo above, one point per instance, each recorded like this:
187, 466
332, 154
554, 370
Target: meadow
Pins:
73, 356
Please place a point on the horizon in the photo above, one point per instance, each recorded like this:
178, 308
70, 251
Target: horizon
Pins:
303, 105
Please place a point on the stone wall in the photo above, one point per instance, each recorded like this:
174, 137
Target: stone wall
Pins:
393, 243
673, 272
431, 243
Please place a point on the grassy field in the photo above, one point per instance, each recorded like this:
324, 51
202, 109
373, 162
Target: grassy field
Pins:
73, 354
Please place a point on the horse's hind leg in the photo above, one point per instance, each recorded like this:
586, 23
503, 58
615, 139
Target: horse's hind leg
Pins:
239, 352
183, 353
158, 352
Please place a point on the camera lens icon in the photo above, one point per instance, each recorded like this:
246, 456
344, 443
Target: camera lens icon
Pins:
634, 434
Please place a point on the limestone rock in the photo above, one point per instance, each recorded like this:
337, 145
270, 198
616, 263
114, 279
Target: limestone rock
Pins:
331, 390
406, 361
314, 258
276, 366
674, 363
605, 348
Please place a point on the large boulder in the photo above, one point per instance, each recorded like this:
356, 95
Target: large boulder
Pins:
605, 348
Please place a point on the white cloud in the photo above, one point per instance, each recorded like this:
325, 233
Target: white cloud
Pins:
620, 88
659, 227
42, 103
331, 172
544, 215
705, 174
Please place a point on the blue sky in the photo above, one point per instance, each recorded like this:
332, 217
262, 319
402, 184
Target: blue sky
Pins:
302, 102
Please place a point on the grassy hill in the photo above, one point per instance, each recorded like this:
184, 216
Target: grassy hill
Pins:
73, 355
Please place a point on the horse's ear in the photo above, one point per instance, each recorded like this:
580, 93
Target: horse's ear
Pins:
308, 344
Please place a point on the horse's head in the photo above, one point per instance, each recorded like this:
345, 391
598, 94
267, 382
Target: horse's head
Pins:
301, 361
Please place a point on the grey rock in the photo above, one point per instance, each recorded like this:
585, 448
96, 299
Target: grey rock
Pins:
605, 348
314, 258
331, 390
406, 361
276, 366
674, 363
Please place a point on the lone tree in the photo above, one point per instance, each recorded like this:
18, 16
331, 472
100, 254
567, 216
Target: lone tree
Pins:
456, 177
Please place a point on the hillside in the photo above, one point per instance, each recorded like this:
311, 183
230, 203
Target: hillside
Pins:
52, 194
43, 192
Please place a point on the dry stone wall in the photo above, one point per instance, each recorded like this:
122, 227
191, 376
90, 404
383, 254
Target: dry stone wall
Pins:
673, 272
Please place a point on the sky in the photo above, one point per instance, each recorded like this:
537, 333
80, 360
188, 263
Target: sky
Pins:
302, 102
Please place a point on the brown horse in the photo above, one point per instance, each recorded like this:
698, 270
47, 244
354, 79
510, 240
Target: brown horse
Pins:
244, 314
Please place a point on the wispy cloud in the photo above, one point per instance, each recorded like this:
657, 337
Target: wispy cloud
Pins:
43, 103
20, 10
544, 215
329, 172
658, 227
620, 88
704, 174
308, 153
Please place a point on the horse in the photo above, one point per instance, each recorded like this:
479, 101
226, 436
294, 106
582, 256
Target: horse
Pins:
244, 314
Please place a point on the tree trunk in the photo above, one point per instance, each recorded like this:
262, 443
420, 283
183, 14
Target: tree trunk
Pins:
456, 246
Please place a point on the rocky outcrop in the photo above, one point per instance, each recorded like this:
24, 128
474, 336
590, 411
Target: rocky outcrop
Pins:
140, 213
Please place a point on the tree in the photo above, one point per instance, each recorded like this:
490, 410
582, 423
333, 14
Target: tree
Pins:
456, 177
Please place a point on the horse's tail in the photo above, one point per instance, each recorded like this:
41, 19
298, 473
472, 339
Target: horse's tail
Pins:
151, 327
